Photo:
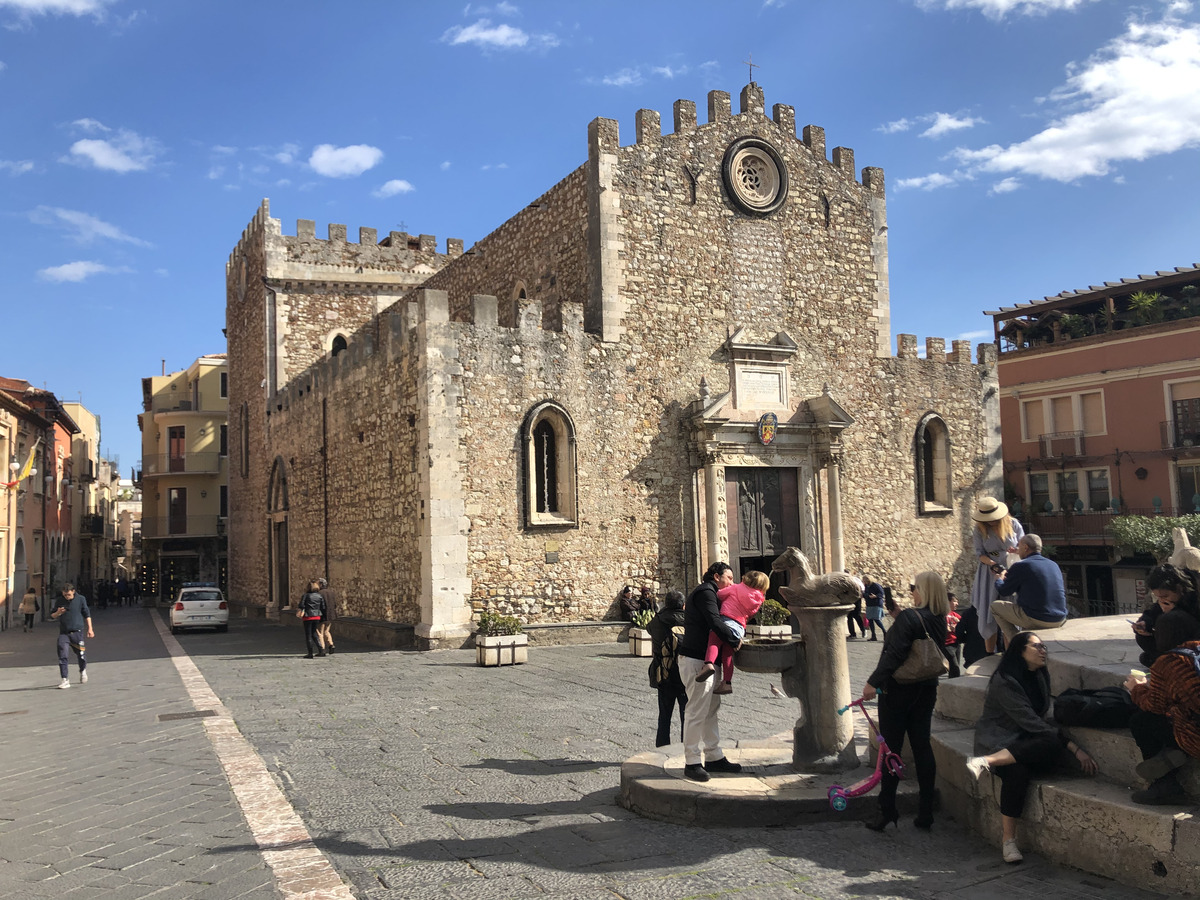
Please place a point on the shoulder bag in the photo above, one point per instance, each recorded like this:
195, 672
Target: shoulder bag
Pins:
925, 659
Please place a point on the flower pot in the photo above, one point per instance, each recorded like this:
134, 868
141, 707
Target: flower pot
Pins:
768, 632
501, 649
640, 643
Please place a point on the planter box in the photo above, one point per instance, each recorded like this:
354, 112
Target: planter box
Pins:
501, 649
769, 632
640, 643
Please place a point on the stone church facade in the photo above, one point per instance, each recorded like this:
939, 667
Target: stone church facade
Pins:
677, 354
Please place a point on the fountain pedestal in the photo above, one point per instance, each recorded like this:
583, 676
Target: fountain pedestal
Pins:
824, 740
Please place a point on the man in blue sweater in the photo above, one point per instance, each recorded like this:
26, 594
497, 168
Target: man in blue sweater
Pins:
1040, 603
71, 611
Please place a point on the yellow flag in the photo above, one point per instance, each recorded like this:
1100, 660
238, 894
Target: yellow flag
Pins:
28, 467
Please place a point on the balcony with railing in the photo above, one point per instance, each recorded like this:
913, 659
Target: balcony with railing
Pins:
184, 464
91, 526
1062, 443
162, 527
173, 401
1181, 434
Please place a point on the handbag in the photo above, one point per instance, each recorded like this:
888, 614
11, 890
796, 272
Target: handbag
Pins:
925, 660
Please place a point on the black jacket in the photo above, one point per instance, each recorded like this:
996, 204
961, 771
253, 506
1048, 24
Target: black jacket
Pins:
312, 604
701, 615
898, 641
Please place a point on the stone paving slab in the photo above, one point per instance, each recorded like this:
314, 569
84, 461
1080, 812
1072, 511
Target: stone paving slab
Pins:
421, 775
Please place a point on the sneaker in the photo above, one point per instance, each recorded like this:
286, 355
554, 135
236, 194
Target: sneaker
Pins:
1011, 853
83, 677
977, 765
696, 772
706, 672
64, 684
723, 765
723, 687
1165, 791
1161, 764
330, 649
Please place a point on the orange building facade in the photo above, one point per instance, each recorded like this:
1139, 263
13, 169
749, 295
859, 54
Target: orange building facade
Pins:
1100, 416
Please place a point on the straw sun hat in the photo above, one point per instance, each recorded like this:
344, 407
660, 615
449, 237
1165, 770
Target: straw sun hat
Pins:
989, 509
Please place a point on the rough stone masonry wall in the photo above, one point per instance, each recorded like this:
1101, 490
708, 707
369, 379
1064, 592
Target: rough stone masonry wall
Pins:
544, 247
362, 494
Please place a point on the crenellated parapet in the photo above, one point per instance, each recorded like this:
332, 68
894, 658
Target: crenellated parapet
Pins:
935, 351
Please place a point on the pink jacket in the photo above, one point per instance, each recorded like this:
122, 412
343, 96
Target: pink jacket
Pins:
739, 602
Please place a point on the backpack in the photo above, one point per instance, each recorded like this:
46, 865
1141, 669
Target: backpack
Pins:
663, 662
1107, 707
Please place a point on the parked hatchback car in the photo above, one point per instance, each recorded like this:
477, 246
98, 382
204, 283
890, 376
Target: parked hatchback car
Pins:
199, 605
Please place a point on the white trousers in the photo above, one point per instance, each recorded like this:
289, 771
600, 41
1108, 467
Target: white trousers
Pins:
700, 731
1011, 619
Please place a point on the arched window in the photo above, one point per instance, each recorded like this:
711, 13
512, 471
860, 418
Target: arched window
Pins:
931, 452
277, 497
339, 344
548, 438
520, 292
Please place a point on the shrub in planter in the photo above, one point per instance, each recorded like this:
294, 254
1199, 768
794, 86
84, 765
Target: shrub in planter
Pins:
640, 643
500, 640
773, 622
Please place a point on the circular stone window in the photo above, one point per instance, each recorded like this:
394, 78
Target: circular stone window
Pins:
755, 176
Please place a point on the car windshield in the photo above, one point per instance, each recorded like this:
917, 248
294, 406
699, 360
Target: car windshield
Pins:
201, 595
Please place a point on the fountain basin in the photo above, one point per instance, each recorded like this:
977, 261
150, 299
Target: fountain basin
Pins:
768, 656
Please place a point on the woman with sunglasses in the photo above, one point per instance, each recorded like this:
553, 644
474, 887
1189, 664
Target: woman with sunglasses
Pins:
907, 708
1013, 737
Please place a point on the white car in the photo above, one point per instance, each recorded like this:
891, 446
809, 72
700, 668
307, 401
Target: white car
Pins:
199, 606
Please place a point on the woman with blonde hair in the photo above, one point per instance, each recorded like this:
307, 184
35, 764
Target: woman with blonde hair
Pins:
996, 537
906, 708
739, 603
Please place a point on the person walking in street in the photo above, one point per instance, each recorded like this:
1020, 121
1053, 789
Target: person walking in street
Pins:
73, 615
873, 597
325, 631
29, 606
702, 751
665, 630
311, 610
1041, 600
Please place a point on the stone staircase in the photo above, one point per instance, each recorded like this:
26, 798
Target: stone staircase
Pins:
1088, 823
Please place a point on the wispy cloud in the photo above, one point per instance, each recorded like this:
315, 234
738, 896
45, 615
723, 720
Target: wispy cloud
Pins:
1005, 186
487, 36
632, 76
16, 166
1137, 97
392, 188
896, 127
628, 77
487, 167
79, 270
445, 166
975, 336
926, 182
344, 162
998, 9
944, 123
57, 7
121, 151
83, 227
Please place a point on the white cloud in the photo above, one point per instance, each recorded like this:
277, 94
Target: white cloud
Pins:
445, 166
287, 154
215, 172
624, 78
975, 336
392, 188
489, 166
16, 166
84, 228
498, 37
56, 7
998, 9
926, 182
3, 65
344, 162
669, 72
222, 150
79, 270
1005, 186
896, 127
944, 123
1139, 96
125, 151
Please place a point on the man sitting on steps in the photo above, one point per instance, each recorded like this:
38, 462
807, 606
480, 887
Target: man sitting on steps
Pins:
1041, 601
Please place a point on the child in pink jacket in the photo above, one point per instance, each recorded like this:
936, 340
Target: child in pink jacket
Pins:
739, 602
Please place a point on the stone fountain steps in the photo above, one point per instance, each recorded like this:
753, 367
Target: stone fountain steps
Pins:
1089, 823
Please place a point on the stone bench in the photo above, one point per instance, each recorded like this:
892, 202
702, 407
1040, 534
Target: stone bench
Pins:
1089, 823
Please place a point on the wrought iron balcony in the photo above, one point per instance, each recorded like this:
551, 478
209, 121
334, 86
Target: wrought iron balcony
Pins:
188, 464
1180, 434
163, 527
1062, 443
91, 526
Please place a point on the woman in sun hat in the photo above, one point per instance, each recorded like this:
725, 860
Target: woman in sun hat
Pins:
996, 536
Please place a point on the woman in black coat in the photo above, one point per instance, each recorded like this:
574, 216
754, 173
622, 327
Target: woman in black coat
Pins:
907, 709
671, 691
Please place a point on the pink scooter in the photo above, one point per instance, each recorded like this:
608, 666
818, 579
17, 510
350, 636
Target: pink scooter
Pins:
838, 795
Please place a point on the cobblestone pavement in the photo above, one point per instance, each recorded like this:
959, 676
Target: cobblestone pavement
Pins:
419, 776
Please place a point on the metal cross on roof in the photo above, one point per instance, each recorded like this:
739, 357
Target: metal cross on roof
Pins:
752, 64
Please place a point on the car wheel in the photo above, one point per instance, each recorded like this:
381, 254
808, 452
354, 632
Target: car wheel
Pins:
174, 629
222, 628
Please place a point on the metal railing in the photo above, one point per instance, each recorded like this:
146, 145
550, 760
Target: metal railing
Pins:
1062, 443
188, 464
1180, 434
159, 527
91, 526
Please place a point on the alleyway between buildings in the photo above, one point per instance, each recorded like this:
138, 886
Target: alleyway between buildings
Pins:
415, 775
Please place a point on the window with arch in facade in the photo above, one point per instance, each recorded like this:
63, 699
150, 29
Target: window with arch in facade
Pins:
931, 450
548, 438
339, 344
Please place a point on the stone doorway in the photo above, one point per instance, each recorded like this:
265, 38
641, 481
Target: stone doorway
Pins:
764, 518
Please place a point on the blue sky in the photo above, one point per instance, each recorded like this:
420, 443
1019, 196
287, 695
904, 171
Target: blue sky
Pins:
1030, 146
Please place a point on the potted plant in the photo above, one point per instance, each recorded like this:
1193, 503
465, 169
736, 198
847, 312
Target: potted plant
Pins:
773, 623
639, 638
500, 640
